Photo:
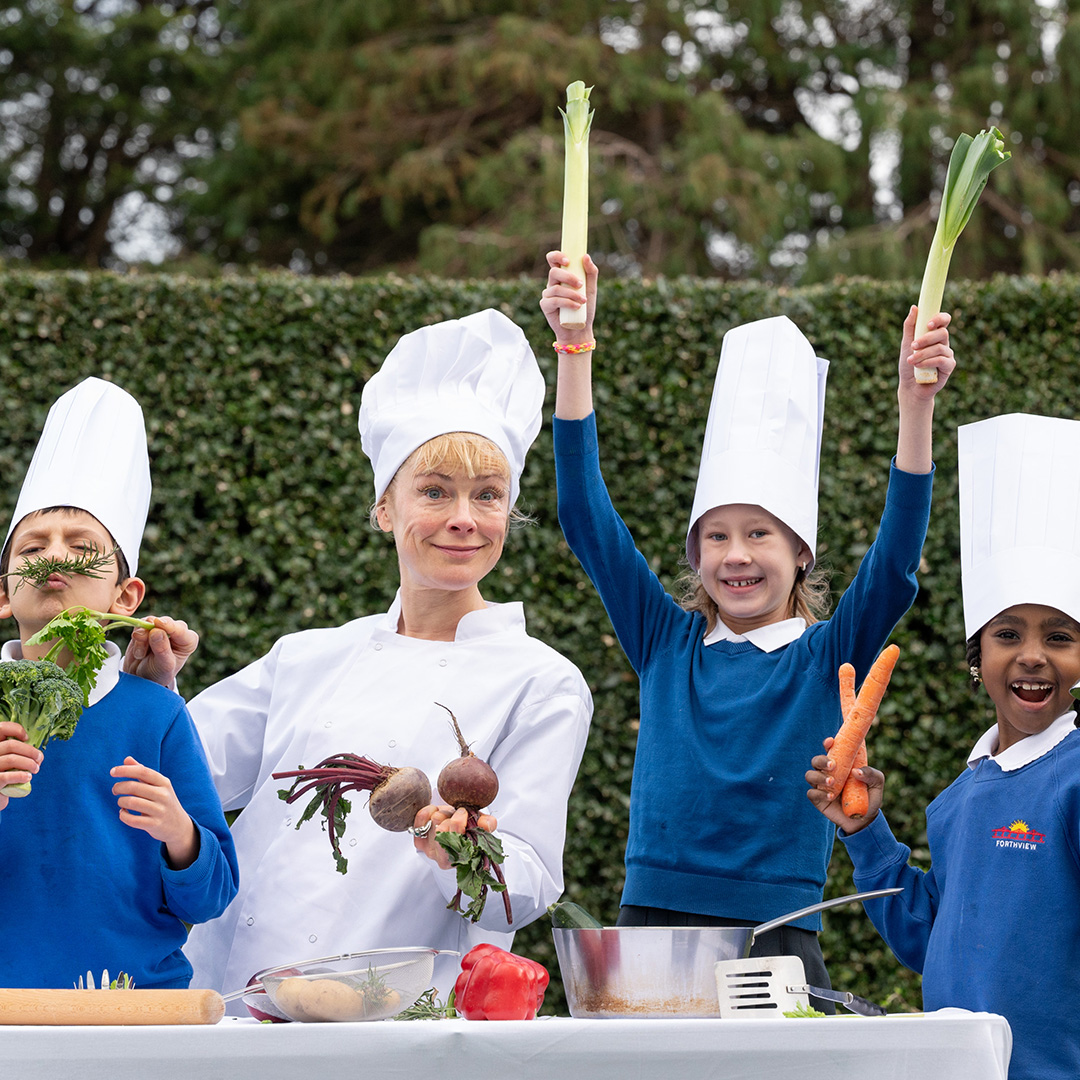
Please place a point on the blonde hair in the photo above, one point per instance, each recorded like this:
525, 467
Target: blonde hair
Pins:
809, 598
457, 451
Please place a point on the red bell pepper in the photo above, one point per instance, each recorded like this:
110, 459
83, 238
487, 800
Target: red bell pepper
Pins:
498, 985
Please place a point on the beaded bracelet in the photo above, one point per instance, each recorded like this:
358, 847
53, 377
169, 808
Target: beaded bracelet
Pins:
585, 346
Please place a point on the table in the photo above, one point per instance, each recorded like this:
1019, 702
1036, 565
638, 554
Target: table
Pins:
951, 1043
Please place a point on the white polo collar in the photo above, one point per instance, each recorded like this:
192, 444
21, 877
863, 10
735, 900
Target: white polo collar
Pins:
767, 638
1026, 750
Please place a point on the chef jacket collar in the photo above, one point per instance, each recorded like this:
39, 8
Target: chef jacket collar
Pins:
107, 678
492, 619
1026, 750
767, 638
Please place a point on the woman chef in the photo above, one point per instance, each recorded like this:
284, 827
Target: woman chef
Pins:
446, 422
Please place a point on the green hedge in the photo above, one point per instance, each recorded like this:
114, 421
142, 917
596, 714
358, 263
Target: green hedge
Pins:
259, 519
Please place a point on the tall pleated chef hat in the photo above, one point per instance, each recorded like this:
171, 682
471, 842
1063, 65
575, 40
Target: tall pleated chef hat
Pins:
92, 456
475, 374
763, 438
1019, 515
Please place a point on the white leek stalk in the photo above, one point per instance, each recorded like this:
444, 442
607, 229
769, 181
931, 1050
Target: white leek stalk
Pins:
969, 167
577, 120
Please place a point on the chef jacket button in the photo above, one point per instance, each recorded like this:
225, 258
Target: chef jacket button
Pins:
378, 646
392, 743
329, 723
313, 938
251, 921
352, 842
442, 663
288, 821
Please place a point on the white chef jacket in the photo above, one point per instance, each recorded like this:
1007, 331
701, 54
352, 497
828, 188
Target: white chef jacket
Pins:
365, 689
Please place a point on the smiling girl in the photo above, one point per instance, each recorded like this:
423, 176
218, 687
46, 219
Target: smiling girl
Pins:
738, 681
1001, 901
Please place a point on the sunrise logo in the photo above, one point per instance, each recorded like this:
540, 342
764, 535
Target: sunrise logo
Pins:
1018, 834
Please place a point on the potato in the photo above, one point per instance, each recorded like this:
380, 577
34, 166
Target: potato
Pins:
328, 999
291, 997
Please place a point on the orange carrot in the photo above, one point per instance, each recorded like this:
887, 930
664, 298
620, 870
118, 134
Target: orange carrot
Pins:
855, 796
847, 690
857, 723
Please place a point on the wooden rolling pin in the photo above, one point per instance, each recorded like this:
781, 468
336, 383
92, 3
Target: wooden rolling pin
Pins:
69, 1007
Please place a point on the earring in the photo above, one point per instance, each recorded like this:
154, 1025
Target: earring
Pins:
976, 674
802, 567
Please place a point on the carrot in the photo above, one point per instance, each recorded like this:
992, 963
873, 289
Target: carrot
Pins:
854, 796
847, 690
857, 723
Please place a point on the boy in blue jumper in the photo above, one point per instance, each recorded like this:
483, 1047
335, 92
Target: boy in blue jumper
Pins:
121, 839
738, 681
994, 924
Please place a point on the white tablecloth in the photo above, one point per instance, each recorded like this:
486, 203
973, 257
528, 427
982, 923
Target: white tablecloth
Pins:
952, 1043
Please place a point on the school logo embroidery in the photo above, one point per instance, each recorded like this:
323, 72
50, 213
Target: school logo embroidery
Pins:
1018, 835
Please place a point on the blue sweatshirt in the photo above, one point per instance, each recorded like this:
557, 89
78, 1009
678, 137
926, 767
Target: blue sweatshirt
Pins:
81, 890
994, 925
719, 819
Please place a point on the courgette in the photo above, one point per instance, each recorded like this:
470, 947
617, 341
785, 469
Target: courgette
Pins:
566, 915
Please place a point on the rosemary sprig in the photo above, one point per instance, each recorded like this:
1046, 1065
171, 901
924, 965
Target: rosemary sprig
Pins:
39, 568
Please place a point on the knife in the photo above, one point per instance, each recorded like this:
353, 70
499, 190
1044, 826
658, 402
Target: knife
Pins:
852, 1002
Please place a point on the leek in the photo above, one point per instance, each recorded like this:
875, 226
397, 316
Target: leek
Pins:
577, 120
970, 165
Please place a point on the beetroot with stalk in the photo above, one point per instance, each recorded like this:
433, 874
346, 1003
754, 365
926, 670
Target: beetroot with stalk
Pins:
470, 783
396, 794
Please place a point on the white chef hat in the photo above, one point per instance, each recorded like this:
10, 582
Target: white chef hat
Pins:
1019, 515
763, 439
92, 456
475, 374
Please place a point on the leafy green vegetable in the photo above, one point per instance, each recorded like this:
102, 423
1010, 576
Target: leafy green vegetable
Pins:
39, 695
429, 1007
804, 1010
82, 632
474, 856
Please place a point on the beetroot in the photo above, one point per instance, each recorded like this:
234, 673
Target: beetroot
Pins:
396, 794
469, 782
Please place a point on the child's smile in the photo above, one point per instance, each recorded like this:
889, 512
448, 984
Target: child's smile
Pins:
1030, 661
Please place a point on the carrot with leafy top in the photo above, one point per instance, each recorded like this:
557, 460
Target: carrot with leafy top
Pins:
857, 723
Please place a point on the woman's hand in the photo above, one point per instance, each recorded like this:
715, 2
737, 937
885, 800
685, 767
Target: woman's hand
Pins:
566, 290
445, 819
826, 798
159, 654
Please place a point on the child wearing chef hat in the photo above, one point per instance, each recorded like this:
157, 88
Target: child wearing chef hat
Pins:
740, 679
446, 423
121, 839
1006, 830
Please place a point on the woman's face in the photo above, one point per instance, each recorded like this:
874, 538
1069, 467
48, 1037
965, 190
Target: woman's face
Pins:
449, 528
1030, 659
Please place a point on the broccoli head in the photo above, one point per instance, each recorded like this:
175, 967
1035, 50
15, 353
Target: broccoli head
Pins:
40, 696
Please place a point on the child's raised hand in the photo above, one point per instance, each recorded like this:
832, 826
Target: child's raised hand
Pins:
147, 801
159, 654
826, 798
930, 351
566, 290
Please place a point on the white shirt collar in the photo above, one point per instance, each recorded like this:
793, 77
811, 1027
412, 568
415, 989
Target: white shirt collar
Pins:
107, 678
767, 638
492, 619
1026, 750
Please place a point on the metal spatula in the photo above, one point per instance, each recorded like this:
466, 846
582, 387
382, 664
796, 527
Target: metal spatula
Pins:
772, 985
